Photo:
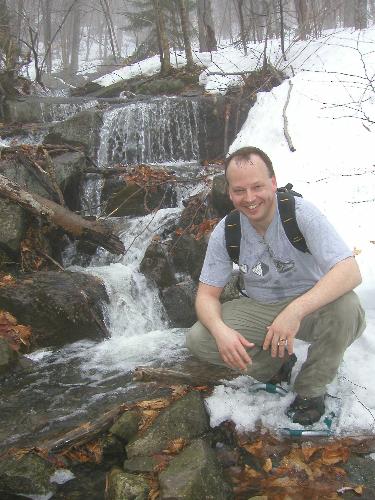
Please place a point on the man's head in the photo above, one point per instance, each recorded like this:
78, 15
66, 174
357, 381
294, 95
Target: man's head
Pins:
252, 185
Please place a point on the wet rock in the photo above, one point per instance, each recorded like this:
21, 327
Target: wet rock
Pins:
194, 474
123, 486
133, 200
126, 427
178, 301
8, 357
161, 87
60, 307
23, 111
188, 254
28, 475
361, 471
140, 464
156, 265
81, 129
219, 196
14, 219
186, 418
112, 449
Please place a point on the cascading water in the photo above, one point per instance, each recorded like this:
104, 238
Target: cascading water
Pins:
77, 382
155, 131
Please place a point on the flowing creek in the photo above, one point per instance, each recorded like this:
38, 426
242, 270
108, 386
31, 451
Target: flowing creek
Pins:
76, 383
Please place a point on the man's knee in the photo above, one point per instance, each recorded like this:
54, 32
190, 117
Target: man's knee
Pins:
194, 338
348, 314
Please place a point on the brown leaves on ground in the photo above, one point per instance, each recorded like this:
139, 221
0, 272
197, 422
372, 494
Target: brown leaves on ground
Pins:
6, 279
148, 177
290, 471
91, 452
16, 335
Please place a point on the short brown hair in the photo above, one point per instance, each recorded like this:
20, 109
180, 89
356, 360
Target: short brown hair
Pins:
245, 153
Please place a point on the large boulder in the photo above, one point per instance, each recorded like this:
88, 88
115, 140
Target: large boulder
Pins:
68, 168
126, 426
60, 307
219, 196
188, 254
186, 418
123, 486
156, 265
195, 474
81, 129
179, 301
131, 199
27, 475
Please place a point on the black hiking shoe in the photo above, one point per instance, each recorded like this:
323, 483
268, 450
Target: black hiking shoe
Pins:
306, 411
285, 372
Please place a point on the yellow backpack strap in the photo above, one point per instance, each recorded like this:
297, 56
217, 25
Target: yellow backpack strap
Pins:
233, 235
287, 211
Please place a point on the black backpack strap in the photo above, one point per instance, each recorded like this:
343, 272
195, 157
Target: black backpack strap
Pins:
233, 235
287, 211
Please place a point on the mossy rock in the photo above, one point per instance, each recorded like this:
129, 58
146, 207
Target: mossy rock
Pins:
29, 475
122, 486
161, 86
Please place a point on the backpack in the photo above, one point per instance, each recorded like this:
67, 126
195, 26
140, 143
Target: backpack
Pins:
287, 210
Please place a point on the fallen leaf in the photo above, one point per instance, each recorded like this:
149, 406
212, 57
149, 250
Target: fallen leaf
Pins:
356, 489
251, 473
253, 448
308, 450
334, 454
153, 404
175, 446
267, 466
178, 391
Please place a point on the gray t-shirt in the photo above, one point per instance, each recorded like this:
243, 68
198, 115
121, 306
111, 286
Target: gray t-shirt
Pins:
271, 267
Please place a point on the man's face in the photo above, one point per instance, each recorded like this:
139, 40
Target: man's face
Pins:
252, 190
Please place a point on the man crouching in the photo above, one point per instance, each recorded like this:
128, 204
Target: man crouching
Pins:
290, 293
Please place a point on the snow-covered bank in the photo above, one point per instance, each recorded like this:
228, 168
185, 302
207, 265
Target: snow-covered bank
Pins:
330, 118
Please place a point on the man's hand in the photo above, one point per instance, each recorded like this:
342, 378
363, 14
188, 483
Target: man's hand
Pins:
231, 345
281, 333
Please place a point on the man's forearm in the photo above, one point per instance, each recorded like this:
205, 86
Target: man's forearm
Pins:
342, 278
208, 310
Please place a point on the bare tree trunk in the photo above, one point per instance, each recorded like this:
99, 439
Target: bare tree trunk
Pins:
9, 43
360, 14
302, 18
111, 30
47, 6
72, 223
184, 16
242, 25
348, 13
282, 34
75, 38
165, 58
207, 39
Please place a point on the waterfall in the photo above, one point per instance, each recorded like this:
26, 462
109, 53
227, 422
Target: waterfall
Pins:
156, 131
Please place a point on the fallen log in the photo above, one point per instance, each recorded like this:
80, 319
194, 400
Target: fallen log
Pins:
84, 433
190, 374
71, 223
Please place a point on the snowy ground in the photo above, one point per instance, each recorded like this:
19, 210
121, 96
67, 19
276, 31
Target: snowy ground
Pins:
330, 117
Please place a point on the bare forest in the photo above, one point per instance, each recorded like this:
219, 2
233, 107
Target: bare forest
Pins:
68, 38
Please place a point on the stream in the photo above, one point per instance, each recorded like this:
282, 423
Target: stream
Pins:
67, 386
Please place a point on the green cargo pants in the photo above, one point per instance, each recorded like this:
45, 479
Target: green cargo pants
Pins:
329, 330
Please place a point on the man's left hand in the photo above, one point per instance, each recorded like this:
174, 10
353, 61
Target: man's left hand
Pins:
281, 333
